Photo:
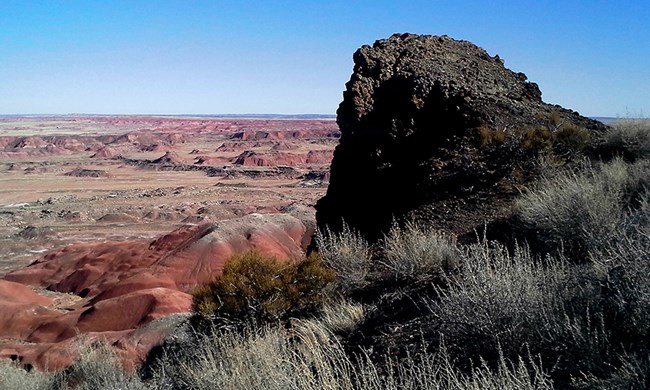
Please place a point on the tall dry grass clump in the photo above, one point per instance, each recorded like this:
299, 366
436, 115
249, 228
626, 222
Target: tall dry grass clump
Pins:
12, 376
349, 255
308, 356
627, 138
519, 305
416, 251
579, 211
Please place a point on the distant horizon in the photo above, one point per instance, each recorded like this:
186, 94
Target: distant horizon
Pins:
246, 116
249, 115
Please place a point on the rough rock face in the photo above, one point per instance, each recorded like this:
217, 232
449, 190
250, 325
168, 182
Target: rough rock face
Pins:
411, 122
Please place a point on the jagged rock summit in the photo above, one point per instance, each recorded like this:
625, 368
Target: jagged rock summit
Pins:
433, 126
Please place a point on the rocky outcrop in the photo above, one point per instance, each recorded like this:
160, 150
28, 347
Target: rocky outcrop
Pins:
431, 126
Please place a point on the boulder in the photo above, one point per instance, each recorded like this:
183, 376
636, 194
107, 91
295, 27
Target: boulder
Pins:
433, 127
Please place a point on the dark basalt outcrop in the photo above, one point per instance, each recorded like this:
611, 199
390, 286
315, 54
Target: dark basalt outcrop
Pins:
435, 128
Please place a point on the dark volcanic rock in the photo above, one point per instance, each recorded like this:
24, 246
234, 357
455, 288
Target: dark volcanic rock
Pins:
414, 122
81, 172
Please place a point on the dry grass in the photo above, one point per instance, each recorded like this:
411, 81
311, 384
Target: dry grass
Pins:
308, 356
349, 255
416, 251
628, 138
579, 211
14, 377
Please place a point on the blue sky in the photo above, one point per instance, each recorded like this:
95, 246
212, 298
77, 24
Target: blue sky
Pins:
207, 57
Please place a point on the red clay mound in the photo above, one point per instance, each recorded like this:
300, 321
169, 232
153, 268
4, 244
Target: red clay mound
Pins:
19, 305
29, 143
269, 159
120, 286
320, 156
7, 141
206, 160
105, 152
170, 157
135, 309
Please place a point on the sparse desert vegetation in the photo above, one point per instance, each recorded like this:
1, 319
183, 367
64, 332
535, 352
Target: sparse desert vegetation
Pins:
571, 310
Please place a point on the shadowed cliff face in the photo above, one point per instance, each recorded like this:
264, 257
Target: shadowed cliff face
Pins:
410, 122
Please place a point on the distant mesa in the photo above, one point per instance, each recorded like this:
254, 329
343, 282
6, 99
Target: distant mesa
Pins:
117, 218
152, 148
253, 135
284, 145
319, 157
268, 159
415, 120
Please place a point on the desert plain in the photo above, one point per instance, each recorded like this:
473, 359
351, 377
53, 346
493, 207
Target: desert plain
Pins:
80, 179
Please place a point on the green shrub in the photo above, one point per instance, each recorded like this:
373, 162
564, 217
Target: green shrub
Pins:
257, 288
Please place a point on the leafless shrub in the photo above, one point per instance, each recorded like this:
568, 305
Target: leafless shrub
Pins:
628, 138
581, 211
13, 376
416, 251
634, 374
308, 356
348, 254
97, 368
